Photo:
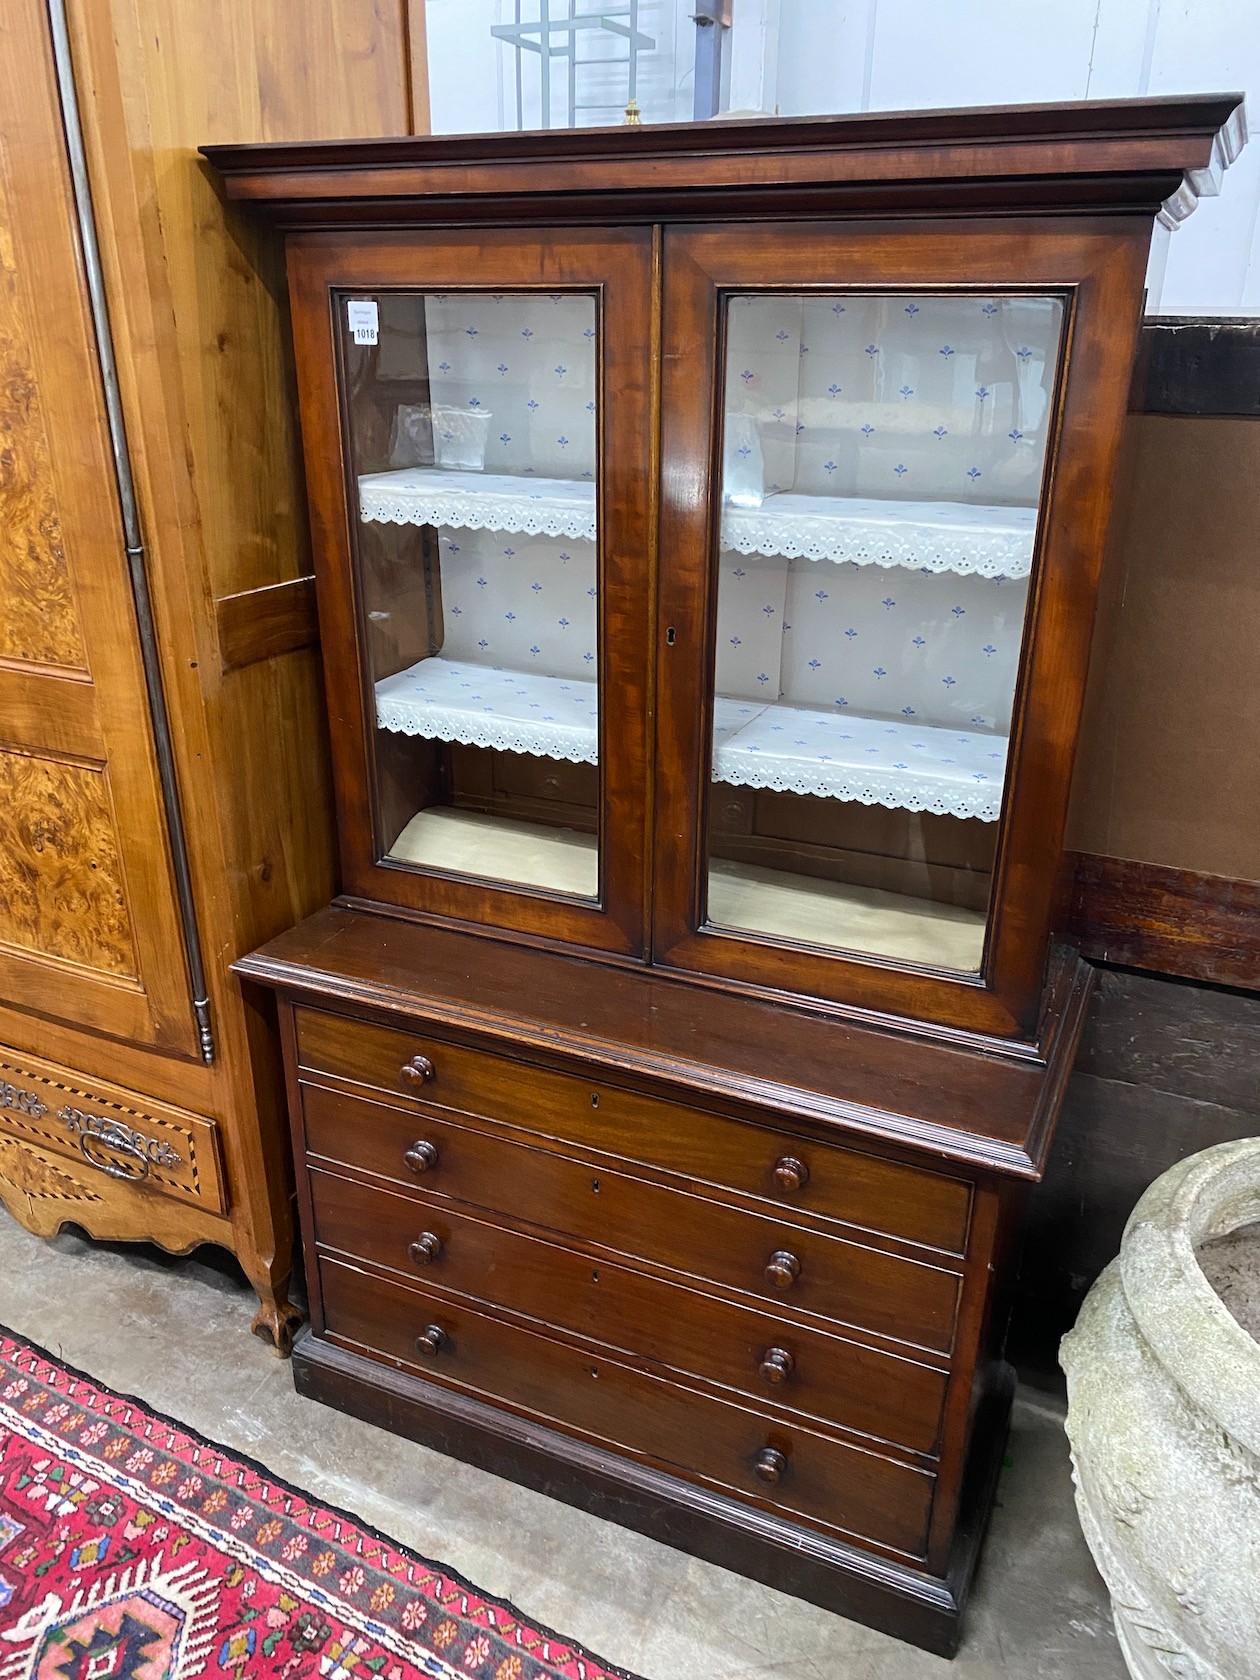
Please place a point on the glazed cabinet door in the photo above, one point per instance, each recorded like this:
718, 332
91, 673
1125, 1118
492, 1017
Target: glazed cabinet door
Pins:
89, 925
476, 410
887, 454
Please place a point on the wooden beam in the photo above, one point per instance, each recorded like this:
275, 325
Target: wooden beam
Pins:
1167, 921
1200, 367
416, 48
260, 623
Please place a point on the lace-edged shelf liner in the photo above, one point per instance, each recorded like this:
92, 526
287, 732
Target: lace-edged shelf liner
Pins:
790, 749
874, 761
931, 536
934, 536
481, 706
471, 501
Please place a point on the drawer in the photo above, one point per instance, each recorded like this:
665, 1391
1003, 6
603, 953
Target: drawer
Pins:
117, 1135
712, 1241
642, 1416
816, 1373
839, 1183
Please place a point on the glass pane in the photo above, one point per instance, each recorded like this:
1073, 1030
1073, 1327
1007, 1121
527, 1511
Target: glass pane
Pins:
472, 429
882, 463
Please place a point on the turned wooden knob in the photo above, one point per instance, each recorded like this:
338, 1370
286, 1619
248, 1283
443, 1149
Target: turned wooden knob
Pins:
790, 1173
422, 1157
431, 1340
426, 1248
777, 1365
782, 1269
770, 1465
418, 1071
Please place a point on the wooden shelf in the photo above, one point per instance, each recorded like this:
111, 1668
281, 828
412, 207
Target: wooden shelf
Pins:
875, 761
792, 749
958, 537
481, 706
953, 537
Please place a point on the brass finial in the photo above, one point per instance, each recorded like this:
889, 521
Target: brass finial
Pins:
633, 118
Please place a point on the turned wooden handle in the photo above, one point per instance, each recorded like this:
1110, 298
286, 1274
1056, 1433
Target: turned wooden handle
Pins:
790, 1173
422, 1157
770, 1465
782, 1269
431, 1340
777, 1365
418, 1071
426, 1248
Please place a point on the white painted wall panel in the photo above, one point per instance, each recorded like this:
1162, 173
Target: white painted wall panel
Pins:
979, 52
1212, 261
911, 54
802, 56
465, 92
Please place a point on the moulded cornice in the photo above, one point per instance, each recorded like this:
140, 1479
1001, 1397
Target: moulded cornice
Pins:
1094, 157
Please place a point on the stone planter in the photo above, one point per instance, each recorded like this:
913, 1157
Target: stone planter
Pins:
1164, 1421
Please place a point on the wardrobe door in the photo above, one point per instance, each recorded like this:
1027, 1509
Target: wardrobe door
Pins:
886, 458
89, 925
476, 410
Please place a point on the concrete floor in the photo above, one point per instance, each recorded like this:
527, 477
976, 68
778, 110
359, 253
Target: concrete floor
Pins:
176, 1334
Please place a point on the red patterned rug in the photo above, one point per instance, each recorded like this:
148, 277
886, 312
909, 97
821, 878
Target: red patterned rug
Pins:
131, 1549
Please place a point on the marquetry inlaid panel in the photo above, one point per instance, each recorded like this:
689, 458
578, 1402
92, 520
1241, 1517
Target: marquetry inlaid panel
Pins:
38, 617
110, 1134
61, 879
31, 1175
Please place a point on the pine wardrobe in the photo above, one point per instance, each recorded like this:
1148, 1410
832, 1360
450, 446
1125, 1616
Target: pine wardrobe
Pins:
707, 523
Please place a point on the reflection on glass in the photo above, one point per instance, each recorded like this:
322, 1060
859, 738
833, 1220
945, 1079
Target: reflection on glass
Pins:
472, 428
882, 462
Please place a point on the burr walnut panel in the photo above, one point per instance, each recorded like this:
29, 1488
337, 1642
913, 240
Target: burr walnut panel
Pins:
61, 880
38, 616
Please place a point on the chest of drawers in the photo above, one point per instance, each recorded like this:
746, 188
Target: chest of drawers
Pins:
766, 1313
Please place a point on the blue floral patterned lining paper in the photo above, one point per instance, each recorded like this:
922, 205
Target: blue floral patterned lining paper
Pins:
883, 458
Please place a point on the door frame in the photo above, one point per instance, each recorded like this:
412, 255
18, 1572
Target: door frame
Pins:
1097, 265
618, 267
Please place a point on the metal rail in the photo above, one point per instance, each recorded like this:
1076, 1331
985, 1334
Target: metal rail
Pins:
556, 37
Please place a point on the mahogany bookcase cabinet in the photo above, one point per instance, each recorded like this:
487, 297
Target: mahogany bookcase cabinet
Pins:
707, 523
